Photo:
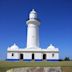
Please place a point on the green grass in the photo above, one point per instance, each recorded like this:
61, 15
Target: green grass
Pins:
4, 65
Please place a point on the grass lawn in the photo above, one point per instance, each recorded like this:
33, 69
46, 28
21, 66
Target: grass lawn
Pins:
66, 65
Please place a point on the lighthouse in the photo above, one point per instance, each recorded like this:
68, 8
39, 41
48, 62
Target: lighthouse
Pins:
32, 51
33, 30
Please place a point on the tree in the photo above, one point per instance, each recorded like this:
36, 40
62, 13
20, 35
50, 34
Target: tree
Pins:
67, 59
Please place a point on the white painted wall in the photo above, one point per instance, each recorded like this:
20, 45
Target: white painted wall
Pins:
27, 55
32, 36
38, 55
49, 56
9, 55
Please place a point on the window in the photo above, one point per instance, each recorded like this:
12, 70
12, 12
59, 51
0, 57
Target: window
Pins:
12, 54
53, 55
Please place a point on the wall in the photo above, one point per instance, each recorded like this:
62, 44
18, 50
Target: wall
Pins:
36, 69
32, 36
15, 56
38, 56
50, 57
27, 56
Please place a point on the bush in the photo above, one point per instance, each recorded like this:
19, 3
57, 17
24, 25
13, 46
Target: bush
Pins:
67, 59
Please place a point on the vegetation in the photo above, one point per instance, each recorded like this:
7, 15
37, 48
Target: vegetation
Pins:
67, 59
4, 65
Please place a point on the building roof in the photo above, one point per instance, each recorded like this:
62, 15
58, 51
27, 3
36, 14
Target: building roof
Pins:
13, 47
52, 48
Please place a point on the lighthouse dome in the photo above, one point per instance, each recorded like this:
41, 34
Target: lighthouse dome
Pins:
33, 14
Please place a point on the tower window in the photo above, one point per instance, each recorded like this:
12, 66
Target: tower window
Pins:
53, 55
12, 54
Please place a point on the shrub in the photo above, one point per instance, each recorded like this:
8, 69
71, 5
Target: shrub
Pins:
66, 59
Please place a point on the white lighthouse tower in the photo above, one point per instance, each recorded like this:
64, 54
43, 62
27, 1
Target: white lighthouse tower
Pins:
33, 30
32, 51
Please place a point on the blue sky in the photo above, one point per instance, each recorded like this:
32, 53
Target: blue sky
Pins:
55, 28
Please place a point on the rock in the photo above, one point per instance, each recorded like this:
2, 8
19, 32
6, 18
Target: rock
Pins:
36, 69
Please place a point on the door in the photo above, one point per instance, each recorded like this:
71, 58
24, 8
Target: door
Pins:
44, 56
32, 56
21, 56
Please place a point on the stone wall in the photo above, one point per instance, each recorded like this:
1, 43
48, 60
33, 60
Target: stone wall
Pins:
36, 69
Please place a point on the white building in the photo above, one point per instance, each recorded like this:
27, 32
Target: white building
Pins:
32, 51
